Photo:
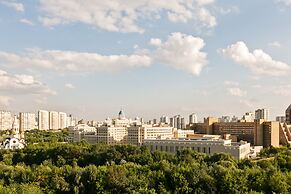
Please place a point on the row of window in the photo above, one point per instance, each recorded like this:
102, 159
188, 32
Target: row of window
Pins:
206, 150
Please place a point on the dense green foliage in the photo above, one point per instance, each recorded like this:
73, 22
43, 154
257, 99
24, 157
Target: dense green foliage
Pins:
84, 168
38, 136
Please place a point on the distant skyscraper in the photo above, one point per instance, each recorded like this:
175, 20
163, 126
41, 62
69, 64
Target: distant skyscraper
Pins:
177, 122
53, 120
43, 120
281, 119
288, 115
193, 118
262, 114
6, 120
71, 121
165, 119
26, 121
224, 119
62, 120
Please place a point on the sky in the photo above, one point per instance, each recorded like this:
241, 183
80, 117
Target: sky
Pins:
148, 57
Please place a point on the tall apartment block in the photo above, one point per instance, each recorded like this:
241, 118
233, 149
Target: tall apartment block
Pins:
6, 120
53, 120
43, 120
193, 118
26, 121
62, 120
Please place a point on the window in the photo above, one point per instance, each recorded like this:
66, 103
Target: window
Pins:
209, 150
204, 150
198, 149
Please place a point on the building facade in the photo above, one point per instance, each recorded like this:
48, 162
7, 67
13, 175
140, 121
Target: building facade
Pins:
27, 121
53, 120
137, 134
193, 118
6, 120
43, 120
207, 146
62, 120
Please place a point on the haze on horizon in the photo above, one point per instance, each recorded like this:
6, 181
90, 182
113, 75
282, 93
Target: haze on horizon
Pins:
148, 57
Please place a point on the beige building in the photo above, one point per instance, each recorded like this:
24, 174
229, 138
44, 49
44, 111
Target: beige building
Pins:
112, 135
53, 120
26, 121
82, 132
252, 132
285, 134
43, 120
137, 134
209, 146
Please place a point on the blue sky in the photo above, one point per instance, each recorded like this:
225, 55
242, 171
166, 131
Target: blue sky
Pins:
150, 57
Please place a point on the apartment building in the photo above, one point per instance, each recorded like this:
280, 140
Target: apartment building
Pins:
27, 121
53, 120
6, 120
43, 120
62, 120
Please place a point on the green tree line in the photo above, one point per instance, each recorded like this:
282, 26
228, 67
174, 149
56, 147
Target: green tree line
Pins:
83, 168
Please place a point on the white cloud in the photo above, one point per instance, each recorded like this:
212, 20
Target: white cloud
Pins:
235, 91
231, 83
286, 2
257, 61
5, 100
26, 21
275, 44
155, 42
13, 4
283, 90
78, 62
70, 86
182, 52
22, 84
121, 16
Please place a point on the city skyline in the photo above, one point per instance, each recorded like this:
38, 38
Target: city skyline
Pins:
150, 59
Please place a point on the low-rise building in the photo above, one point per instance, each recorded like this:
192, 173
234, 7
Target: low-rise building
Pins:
209, 146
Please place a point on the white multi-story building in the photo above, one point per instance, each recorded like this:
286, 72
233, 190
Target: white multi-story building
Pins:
82, 132
112, 135
26, 121
208, 146
71, 121
62, 120
262, 114
178, 122
193, 118
43, 120
248, 117
137, 134
6, 120
165, 119
53, 120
